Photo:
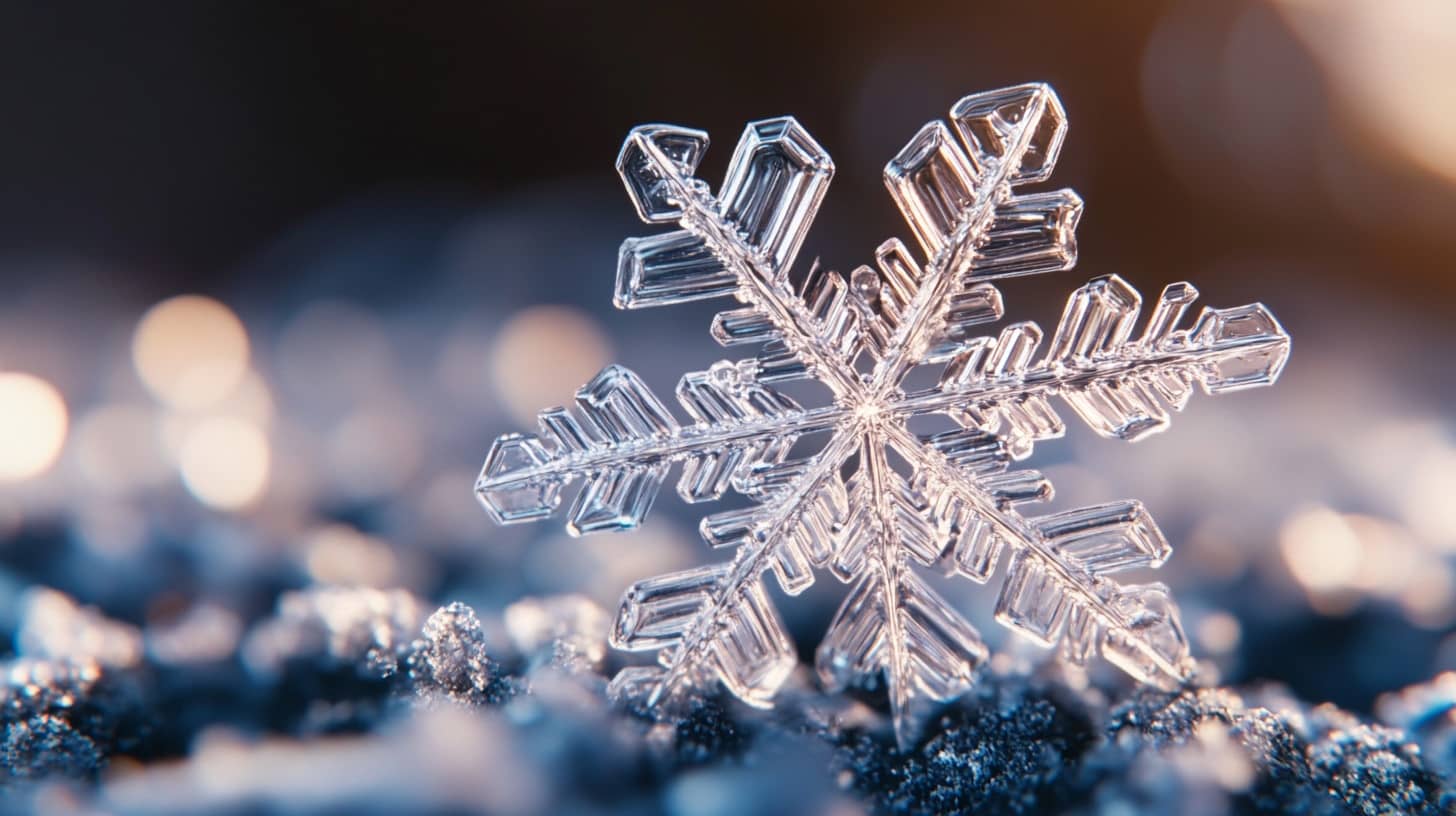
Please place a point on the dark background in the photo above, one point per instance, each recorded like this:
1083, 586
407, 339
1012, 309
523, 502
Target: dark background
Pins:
175, 141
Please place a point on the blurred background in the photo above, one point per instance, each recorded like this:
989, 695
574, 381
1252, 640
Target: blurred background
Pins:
273, 276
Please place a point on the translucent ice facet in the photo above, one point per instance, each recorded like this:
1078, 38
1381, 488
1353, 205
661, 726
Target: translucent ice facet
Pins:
1252, 347
1106, 538
1033, 601
1017, 487
899, 277
1079, 638
791, 565
684, 147
942, 645
621, 407
561, 427
1097, 321
780, 364
655, 612
977, 551
970, 308
707, 477
827, 295
1166, 315
615, 499
972, 450
1119, 408
1024, 125
1152, 638
741, 326
635, 684
851, 647
525, 501
775, 184
1031, 234
674, 267
932, 182
1013, 350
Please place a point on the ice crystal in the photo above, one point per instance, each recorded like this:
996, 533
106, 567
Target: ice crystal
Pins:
450, 661
877, 499
64, 716
46, 745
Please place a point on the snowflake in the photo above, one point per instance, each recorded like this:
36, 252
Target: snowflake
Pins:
877, 498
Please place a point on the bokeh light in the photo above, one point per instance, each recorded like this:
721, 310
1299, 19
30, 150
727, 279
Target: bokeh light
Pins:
190, 351
224, 462
1219, 632
339, 554
1341, 558
1391, 65
542, 355
1321, 550
33, 422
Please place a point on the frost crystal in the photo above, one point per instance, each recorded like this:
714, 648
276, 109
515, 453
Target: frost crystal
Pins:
450, 660
876, 499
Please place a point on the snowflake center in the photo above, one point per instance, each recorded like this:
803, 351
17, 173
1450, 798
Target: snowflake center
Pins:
872, 412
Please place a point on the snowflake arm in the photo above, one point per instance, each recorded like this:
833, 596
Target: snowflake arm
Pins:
741, 242
621, 441
716, 622
892, 622
1055, 588
960, 203
1120, 386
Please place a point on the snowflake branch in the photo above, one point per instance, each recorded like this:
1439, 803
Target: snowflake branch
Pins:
752, 560
1118, 385
1025, 538
684, 442
1051, 381
877, 474
759, 282
952, 261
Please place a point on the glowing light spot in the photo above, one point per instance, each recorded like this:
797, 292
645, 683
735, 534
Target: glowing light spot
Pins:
339, 554
224, 462
869, 411
1426, 497
54, 626
206, 633
1321, 549
190, 351
33, 422
1219, 632
1429, 600
251, 400
566, 337
1378, 63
